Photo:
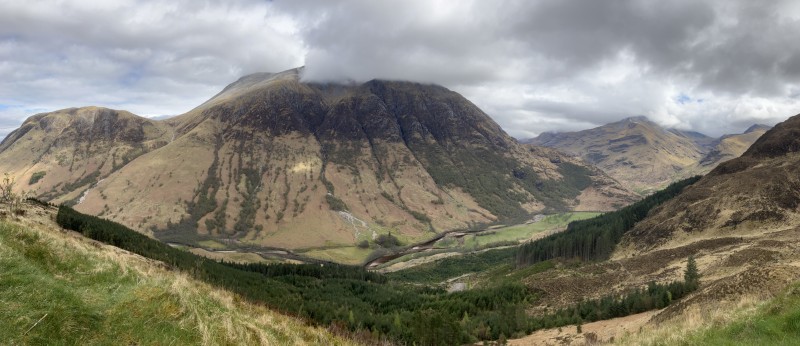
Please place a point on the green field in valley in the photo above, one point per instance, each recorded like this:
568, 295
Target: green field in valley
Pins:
524, 232
502, 236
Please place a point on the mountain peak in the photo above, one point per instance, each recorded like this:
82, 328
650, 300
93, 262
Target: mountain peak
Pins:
757, 127
637, 119
253, 81
90, 123
784, 138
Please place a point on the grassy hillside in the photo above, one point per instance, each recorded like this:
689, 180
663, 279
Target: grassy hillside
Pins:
344, 298
750, 321
774, 323
57, 286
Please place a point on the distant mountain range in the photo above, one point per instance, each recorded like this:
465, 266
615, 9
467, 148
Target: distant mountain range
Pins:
275, 162
644, 156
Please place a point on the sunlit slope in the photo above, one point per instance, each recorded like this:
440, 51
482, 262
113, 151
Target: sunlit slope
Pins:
60, 154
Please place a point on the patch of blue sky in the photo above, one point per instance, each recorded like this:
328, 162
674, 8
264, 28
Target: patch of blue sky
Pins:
682, 99
36, 110
133, 76
7, 106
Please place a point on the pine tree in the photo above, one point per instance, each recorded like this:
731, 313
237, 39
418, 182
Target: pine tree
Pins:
691, 276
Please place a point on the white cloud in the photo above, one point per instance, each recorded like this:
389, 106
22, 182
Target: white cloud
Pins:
149, 57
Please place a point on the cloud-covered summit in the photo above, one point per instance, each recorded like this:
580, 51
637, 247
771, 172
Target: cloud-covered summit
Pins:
710, 66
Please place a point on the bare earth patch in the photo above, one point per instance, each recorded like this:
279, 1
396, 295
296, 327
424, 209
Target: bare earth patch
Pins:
600, 331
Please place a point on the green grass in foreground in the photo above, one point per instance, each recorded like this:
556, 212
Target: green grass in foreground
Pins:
77, 300
57, 291
775, 323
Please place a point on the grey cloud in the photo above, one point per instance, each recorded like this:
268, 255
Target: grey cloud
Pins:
733, 53
532, 65
755, 52
417, 41
582, 33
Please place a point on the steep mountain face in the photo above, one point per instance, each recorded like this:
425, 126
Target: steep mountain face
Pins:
699, 139
645, 157
58, 155
274, 162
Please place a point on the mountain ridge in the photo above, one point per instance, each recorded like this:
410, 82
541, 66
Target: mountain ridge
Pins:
757, 187
645, 156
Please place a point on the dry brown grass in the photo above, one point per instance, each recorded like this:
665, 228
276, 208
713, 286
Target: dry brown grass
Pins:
696, 319
599, 332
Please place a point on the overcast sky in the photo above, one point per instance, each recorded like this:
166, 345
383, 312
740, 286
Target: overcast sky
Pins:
711, 66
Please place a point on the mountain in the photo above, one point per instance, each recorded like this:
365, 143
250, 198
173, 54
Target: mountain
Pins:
271, 161
699, 139
639, 153
644, 156
57, 155
741, 222
731, 146
753, 193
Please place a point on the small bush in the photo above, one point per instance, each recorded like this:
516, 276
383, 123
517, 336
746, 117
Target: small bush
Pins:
335, 204
420, 216
387, 196
36, 177
387, 241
